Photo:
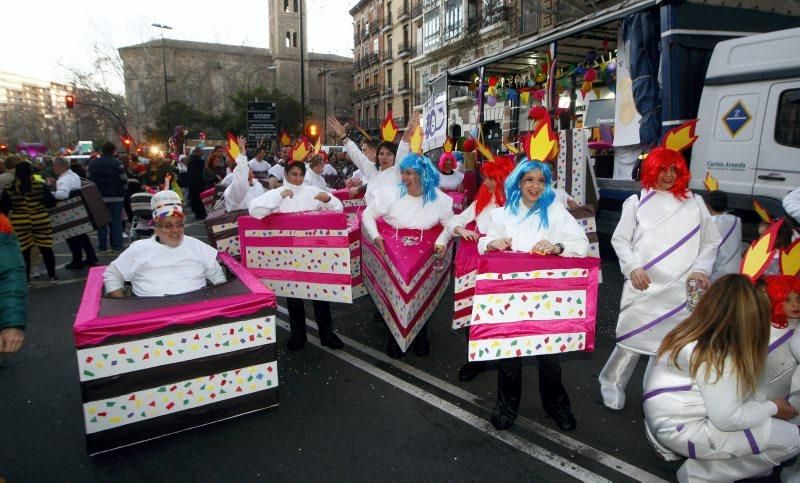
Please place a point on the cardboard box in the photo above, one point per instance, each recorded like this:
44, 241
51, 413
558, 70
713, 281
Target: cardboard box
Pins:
83, 212
222, 228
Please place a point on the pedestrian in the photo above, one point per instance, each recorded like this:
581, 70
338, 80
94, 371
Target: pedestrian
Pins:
532, 221
66, 183
211, 173
195, 168
183, 176
13, 290
729, 252
108, 173
27, 200
258, 164
134, 186
8, 175
698, 394
665, 239
294, 197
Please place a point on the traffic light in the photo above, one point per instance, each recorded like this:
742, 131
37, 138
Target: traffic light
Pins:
70, 101
3, 148
127, 141
312, 130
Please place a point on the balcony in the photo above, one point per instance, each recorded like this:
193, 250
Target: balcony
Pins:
400, 122
403, 13
428, 3
387, 22
416, 10
372, 58
369, 123
404, 49
403, 86
387, 56
388, 91
373, 27
417, 50
356, 95
420, 98
373, 90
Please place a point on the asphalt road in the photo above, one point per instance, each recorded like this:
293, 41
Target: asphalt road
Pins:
348, 415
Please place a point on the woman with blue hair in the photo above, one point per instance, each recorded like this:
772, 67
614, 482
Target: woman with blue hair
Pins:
415, 203
532, 221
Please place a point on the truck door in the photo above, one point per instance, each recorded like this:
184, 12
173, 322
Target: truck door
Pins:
778, 170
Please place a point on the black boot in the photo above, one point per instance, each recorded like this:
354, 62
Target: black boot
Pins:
422, 344
470, 370
297, 322
322, 314
393, 349
555, 399
509, 392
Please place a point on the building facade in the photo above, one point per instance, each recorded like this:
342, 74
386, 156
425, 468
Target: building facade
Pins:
33, 110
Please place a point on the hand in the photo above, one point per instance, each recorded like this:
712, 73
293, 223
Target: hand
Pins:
354, 191
702, 280
167, 181
639, 279
785, 410
378, 242
323, 197
544, 247
11, 339
336, 127
500, 244
412, 125
468, 235
241, 141
438, 251
348, 183
287, 193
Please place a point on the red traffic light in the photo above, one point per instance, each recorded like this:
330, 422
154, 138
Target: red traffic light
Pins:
70, 99
3, 147
312, 130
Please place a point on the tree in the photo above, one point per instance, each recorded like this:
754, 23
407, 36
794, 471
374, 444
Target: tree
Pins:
176, 113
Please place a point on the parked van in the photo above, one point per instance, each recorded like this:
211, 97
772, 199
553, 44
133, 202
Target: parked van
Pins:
749, 120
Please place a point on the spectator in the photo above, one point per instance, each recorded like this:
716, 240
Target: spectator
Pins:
8, 175
67, 182
13, 294
25, 200
183, 175
108, 173
196, 165
134, 186
259, 164
211, 174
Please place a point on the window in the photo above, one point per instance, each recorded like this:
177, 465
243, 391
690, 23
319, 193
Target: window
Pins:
492, 11
453, 18
295, 6
286, 5
787, 125
288, 39
388, 107
375, 45
430, 30
389, 77
375, 112
294, 39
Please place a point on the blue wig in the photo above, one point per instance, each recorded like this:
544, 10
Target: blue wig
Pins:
428, 175
514, 191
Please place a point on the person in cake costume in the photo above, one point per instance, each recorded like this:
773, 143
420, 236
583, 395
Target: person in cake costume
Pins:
665, 240
701, 394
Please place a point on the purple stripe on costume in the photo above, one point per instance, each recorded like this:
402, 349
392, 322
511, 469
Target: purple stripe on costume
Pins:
656, 392
653, 323
647, 197
752, 440
679, 427
780, 340
692, 453
671, 249
730, 231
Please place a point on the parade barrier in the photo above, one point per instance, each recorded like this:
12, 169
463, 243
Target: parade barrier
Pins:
154, 366
222, 228
353, 205
527, 305
83, 212
308, 255
403, 283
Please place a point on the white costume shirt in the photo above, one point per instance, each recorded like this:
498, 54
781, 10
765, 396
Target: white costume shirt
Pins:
776, 380
563, 197
791, 203
277, 171
155, 269
375, 178
66, 182
259, 166
314, 179
302, 199
467, 216
329, 170
526, 232
729, 253
240, 192
408, 212
452, 181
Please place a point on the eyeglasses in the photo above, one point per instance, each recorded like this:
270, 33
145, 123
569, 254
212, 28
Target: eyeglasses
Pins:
170, 226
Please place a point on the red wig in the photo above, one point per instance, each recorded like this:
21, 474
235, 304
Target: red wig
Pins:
661, 159
779, 287
498, 170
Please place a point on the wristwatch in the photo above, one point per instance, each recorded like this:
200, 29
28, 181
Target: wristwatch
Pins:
560, 248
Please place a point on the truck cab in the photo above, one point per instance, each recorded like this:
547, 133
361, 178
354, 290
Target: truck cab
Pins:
749, 120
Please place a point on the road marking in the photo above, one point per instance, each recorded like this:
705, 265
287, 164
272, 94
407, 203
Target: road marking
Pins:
561, 439
541, 454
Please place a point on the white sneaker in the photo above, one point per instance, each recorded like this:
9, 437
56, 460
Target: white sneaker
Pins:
36, 272
124, 234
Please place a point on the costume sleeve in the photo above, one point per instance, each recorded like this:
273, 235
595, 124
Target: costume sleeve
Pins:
791, 203
570, 234
445, 207
709, 241
215, 274
236, 192
113, 279
62, 190
402, 151
622, 239
358, 158
379, 207
462, 219
266, 204
496, 231
333, 204
725, 407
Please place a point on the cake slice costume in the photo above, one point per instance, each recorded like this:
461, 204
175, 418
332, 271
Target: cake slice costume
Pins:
670, 235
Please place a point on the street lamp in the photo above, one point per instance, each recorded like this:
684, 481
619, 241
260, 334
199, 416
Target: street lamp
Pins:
164, 63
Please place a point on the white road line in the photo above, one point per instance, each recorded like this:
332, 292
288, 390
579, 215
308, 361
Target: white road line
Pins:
572, 444
541, 454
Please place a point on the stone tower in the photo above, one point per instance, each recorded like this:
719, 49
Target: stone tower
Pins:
284, 43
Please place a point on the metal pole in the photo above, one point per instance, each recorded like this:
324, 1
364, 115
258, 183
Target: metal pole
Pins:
325, 102
164, 65
302, 70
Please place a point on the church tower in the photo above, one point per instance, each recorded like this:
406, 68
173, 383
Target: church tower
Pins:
284, 43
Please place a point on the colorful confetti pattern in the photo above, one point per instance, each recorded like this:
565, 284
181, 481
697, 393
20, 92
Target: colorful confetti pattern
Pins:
77, 212
114, 359
172, 398
519, 306
576, 185
312, 260
310, 290
533, 345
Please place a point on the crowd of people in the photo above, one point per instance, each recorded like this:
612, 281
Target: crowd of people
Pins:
718, 330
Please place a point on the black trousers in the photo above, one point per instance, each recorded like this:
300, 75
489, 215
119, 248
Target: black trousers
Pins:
49, 261
551, 390
80, 244
197, 203
297, 317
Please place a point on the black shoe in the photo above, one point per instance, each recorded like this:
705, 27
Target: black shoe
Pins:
470, 370
564, 418
422, 347
393, 349
296, 342
74, 266
331, 340
503, 416
92, 263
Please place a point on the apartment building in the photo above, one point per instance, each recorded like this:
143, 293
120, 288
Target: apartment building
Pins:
368, 72
34, 110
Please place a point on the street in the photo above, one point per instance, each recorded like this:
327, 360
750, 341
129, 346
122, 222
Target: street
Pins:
353, 414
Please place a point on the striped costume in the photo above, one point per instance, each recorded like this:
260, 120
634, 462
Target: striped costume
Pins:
29, 216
